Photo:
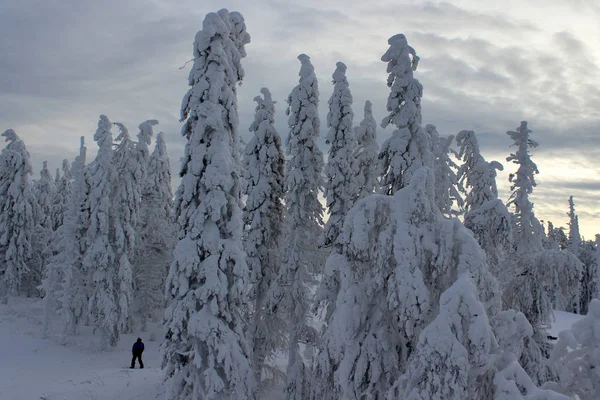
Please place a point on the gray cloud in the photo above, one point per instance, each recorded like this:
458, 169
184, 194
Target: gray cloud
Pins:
65, 62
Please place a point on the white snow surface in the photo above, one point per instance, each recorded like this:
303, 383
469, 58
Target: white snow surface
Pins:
33, 367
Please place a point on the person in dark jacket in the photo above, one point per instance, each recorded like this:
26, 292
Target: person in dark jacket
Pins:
137, 350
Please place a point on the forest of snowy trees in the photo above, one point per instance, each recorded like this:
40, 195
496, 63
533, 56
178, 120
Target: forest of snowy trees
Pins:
411, 280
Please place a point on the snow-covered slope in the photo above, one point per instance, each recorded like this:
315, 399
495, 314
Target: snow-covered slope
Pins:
33, 367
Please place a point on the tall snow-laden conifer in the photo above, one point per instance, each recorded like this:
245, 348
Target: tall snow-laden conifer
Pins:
65, 284
398, 255
409, 148
528, 234
574, 235
156, 232
77, 221
340, 187
264, 164
44, 191
99, 258
18, 213
485, 215
63, 193
126, 195
447, 186
365, 154
533, 273
206, 352
303, 221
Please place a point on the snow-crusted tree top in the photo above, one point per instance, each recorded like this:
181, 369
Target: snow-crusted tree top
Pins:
523, 180
146, 131
340, 113
161, 147
303, 105
366, 131
226, 31
103, 135
265, 110
10, 135
404, 98
17, 146
475, 172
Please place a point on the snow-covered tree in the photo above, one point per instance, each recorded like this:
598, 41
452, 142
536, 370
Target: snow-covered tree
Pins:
485, 215
18, 214
409, 148
447, 186
536, 279
68, 261
303, 221
99, 259
587, 256
264, 164
156, 233
62, 195
365, 154
44, 192
206, 352
65, 285
399, 255
576, 356
340, 187
574, 235
528, 232
455, 354
556, 238
126, 195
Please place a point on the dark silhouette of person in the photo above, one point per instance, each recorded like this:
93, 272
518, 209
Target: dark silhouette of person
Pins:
137, 350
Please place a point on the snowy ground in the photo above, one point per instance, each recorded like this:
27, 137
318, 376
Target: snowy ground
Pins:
35, 368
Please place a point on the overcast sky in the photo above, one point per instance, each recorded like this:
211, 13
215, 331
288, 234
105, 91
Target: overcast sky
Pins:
485, 66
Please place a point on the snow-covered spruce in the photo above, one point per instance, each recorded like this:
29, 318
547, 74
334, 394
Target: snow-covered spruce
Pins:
65, 283
529, 232
574, 235
130, 160
264, 164
556, 238
536, 279
303, 223
156, 234
365, 154
399, 255
447, 187
206, 353
99, 259
18, 213
44, 192
455, 354
340, 187
485, 215
409, 148
62, 195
